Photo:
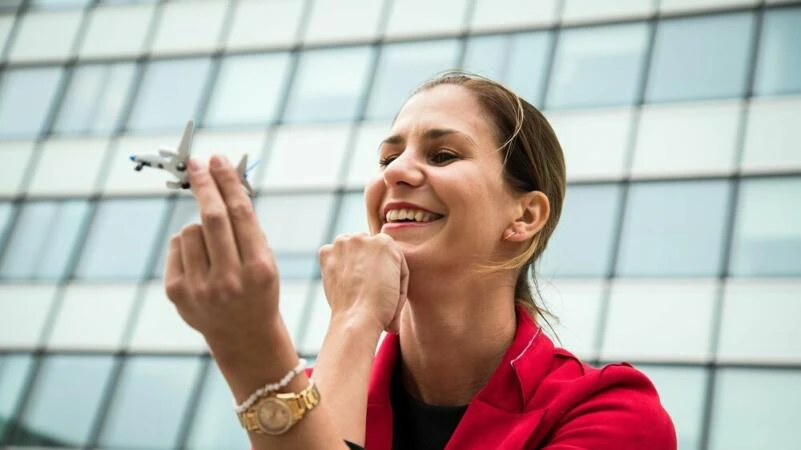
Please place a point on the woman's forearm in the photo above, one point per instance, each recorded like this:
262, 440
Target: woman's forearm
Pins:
266, 360
342, 373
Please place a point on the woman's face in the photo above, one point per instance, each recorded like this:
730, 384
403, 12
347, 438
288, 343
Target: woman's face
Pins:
440, 192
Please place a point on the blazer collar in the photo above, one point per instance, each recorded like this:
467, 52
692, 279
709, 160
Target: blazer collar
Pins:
508, 391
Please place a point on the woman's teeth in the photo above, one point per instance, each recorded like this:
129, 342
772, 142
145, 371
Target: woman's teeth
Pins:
397, 215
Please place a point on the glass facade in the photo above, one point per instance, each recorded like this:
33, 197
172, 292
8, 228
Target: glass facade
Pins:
679, 247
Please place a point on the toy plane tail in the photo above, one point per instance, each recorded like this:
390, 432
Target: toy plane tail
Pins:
242, 170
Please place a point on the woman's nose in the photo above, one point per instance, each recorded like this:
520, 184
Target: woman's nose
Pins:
404, 170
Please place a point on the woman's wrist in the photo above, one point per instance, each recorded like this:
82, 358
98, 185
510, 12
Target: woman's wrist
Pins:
356, 323
249, 362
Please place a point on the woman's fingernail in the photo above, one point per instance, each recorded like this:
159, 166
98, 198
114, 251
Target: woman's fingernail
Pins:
216, 162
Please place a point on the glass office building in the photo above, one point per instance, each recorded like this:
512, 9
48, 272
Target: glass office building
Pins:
679, 249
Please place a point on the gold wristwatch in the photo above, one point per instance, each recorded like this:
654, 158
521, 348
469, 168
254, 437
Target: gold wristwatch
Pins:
276, 413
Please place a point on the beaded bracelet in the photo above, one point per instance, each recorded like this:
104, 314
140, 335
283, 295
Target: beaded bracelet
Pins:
271, 387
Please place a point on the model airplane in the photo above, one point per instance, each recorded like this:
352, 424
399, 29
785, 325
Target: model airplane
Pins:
175, 162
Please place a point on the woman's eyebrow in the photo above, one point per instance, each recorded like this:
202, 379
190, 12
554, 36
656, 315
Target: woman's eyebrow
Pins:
430, 135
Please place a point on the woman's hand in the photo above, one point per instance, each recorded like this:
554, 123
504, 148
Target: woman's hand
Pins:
365, 280
221, 275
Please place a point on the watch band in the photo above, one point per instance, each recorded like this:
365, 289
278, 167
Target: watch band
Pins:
276, 413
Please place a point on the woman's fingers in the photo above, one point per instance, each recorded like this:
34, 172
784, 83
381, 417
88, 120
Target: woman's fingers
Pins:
194, 258
174, 269
217, 231
250, 240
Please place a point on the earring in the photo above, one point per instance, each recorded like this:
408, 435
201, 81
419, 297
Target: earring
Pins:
508, 234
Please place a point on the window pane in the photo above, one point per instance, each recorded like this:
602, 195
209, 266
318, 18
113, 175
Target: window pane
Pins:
45, 35
503, 14
344, 20
689, 6
306, 156
317, 323
756, 409
593, 10
71, 329
779, 337
14, 372
682, 392
595, 141
335, 97
779, 63
159, 327
295, 226
642, 318
186, 27
6, 214
214, 426
772, 137
674, 229
260, 24
49, 178
6, 22
117, 31
150, 403
705, 145
23, 314
577, 305
169, 94
516, 60
598, 66
363, 164
65, 401
248, 90
767, 233
401, 68
582, 243
715, 47
352, 217
44, 239
25, 98
95, 97
292, 305
407, 18
121, 239
295, 223
183, 212
16, 155
58, 3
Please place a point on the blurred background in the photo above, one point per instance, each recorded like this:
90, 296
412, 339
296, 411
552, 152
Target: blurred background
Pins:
679, 249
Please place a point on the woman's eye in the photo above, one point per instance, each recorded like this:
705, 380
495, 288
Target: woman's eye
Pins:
443, 156
384, 162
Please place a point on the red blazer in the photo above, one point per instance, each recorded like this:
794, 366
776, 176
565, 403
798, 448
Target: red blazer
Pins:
540, 397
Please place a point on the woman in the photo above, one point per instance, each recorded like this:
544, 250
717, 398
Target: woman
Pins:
469, 190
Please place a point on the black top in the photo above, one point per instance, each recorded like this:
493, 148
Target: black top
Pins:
416, 425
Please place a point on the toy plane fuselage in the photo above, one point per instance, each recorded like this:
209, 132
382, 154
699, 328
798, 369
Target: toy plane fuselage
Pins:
175, 161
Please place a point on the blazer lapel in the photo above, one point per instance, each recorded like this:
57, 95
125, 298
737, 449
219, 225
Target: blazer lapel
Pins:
378, 435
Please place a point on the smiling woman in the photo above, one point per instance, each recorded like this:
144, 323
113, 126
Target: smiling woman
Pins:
470, 186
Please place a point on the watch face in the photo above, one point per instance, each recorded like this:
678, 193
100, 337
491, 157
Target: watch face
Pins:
275, 417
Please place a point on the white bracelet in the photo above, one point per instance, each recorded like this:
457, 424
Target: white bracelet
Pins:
271, 387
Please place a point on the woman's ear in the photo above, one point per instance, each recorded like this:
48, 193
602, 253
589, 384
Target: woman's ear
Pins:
532, 214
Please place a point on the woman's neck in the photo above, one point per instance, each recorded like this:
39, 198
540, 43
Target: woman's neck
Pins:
451, 343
